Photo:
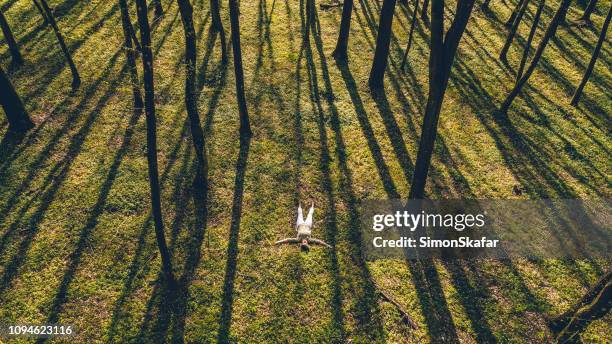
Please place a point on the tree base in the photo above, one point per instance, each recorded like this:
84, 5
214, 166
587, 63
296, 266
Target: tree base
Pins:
21, 128
76, 83
340, 56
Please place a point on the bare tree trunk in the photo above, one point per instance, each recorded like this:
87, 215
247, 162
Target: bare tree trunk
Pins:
443, 51
149, 89
191, 96
130, 54
594, 304
589, 70
589, 9
513, 29
341, 51
245, 126
217, 26
424, 11
550, 32
514, 13
42, 12
134, 38
534, 27
383, 39
131, 31
76, 79
412, 25
18, 118
10, 40
159, 10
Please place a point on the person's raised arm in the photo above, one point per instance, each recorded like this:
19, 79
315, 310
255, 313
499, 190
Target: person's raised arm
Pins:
287, 241
319, 242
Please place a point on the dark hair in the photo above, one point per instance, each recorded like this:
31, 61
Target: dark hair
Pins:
305, 247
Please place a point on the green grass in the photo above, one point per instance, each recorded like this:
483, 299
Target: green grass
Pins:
77, 240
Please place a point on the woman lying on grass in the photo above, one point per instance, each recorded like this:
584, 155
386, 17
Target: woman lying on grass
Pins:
304, 232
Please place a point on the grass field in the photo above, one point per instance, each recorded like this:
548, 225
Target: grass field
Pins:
77, 243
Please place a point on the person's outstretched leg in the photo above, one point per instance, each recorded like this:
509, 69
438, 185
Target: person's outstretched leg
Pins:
300, 218
309, 217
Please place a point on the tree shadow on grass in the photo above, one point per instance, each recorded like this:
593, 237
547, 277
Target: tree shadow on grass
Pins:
7, 5
192, 260
225, 319
425, 276
51, 73
143, 254
523, 157
167, 309
307, 14
366, 311
90, 224
52, 183
264, 19
10, 142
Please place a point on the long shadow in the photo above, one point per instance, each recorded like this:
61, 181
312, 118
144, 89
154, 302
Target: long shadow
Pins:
70, 121
263, 27
331, 234
7, 5
55, 139
368, 131
367, 312
426, 280
176, 299
158, 307
139, 255
525, 163
193, 255
53, 72
225, 320
431, 297
52, 183
10, 141
90, 224
394, 132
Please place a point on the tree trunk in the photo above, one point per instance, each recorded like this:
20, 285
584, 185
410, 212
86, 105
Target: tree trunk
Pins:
383, 39
424, 11
513, 29
130, 54
443, 51
550, 32
159, 10
534, 27
10, 40
149, 90
42, 12
191, 96
132, 32
412, 25
245, 126
595, 304
76, 79
589, 70
341, 51
589, 9
514, 13
485, 5
217, 26
18, 118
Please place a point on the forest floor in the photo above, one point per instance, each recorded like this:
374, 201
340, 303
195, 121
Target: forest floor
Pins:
77, 243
